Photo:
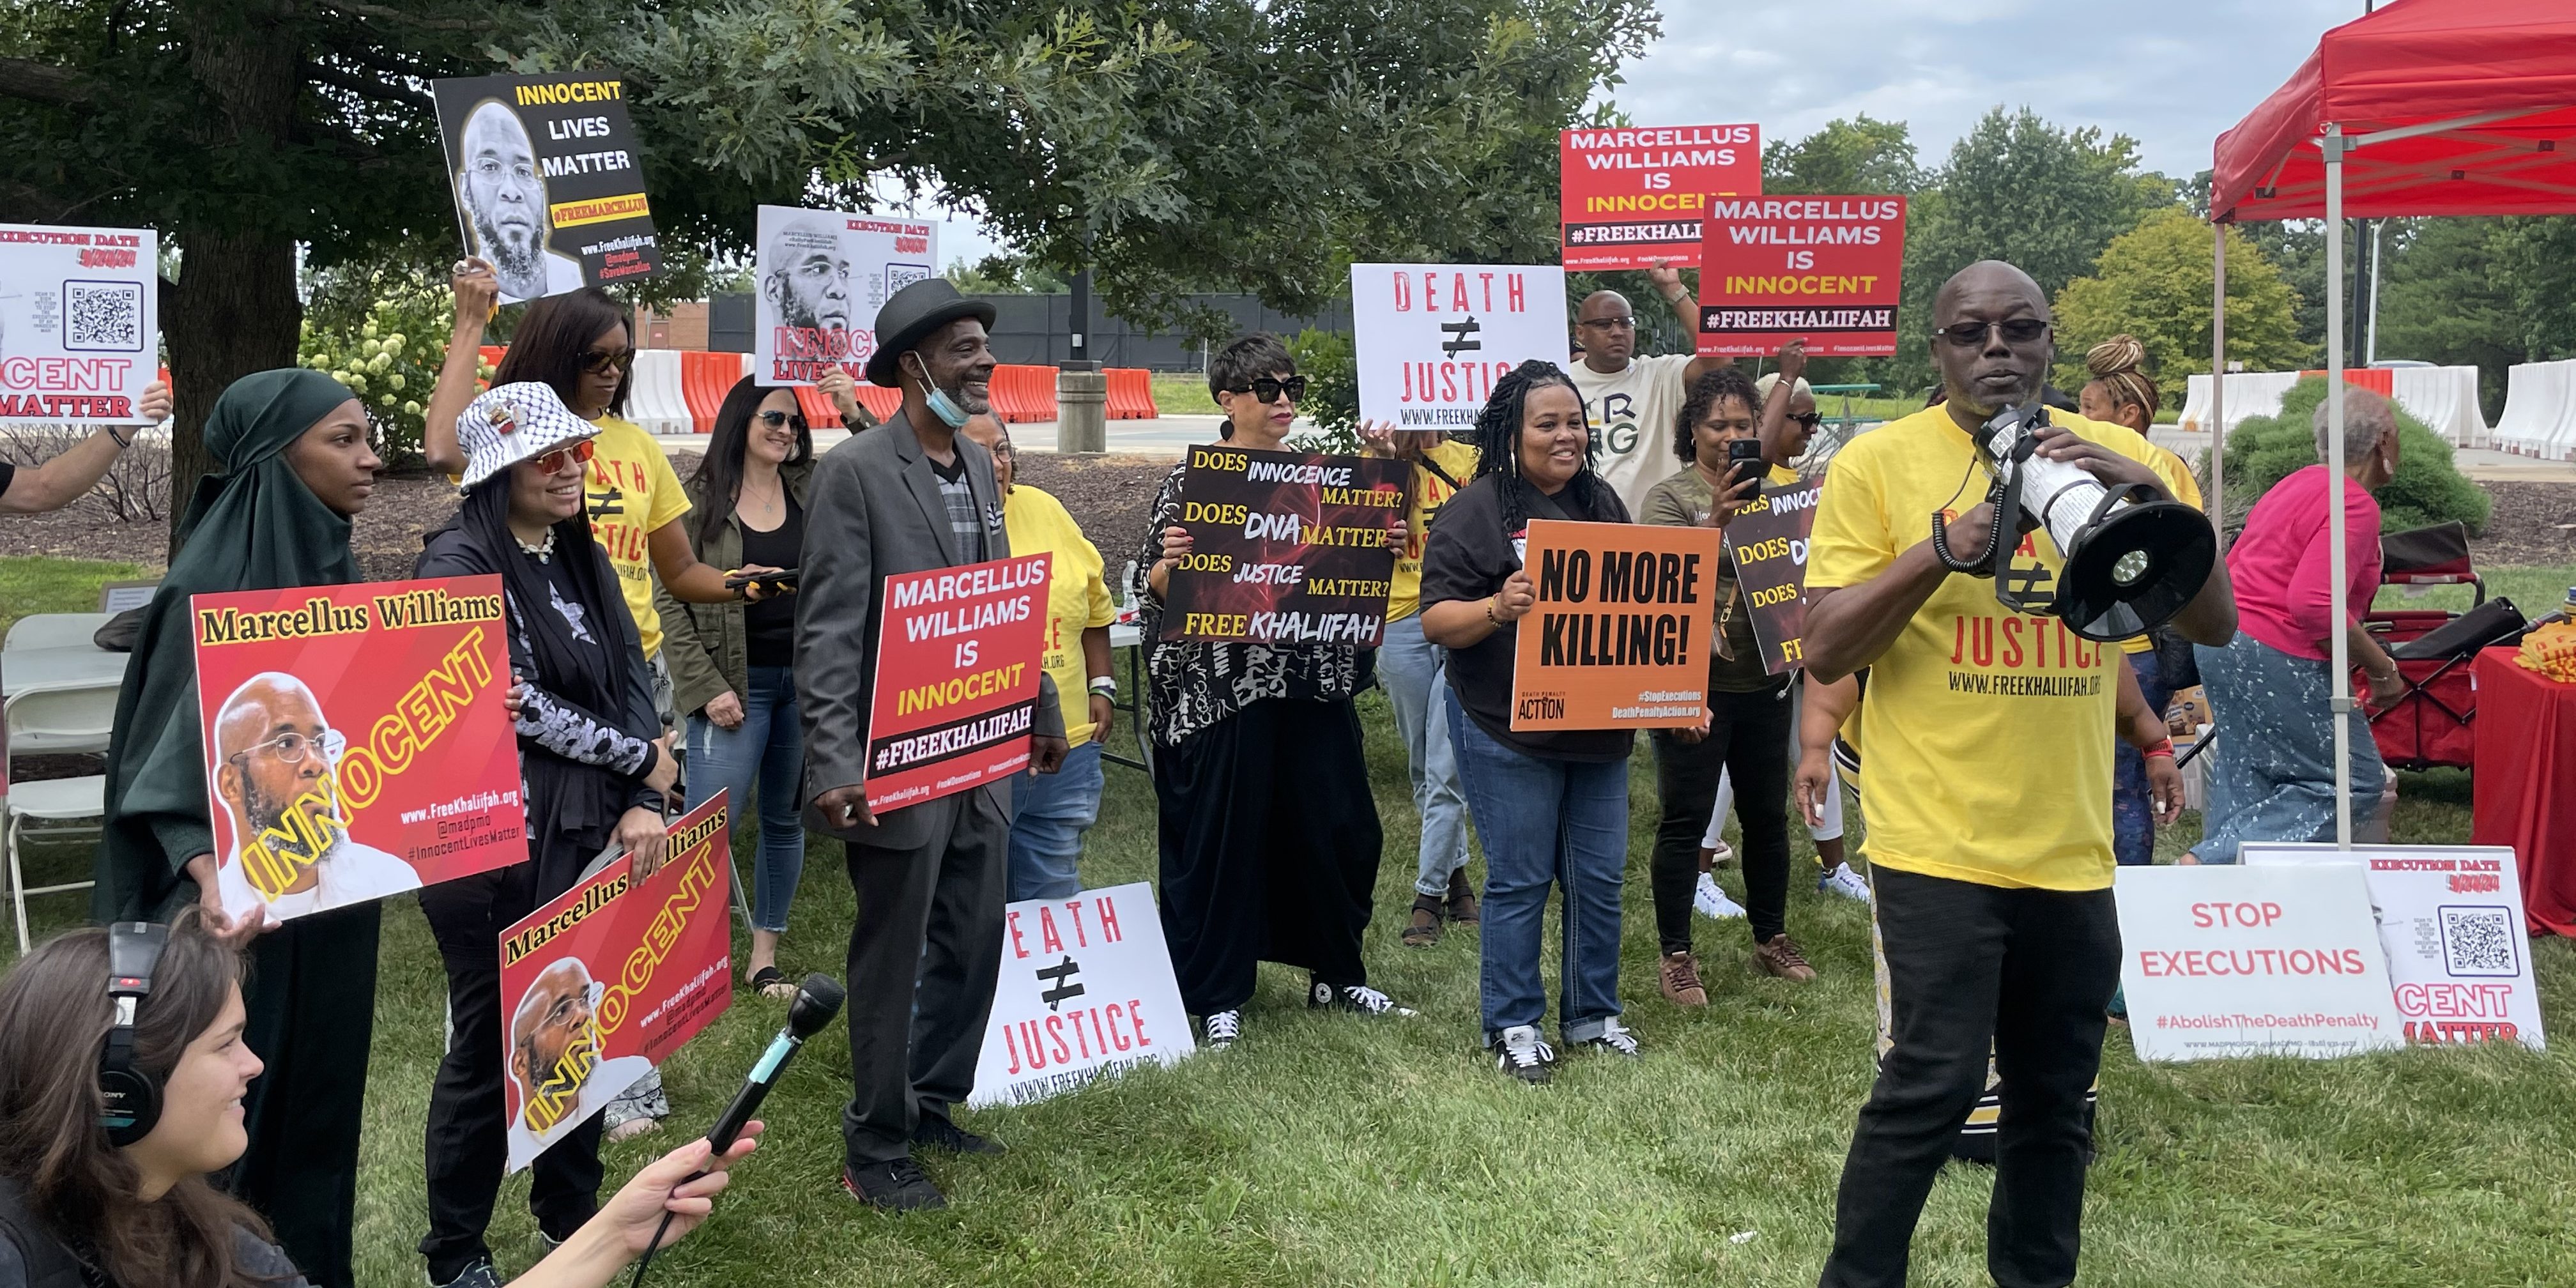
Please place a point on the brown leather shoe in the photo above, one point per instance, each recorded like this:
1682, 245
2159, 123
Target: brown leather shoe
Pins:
1678, 976
1423, 929
1462, 900
1781, 958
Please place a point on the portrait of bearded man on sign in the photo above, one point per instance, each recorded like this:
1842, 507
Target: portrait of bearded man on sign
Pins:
502, 199
277, 774
554, 1059
805, 284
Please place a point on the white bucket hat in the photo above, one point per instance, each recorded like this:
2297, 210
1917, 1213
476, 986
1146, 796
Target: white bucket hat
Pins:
510, 423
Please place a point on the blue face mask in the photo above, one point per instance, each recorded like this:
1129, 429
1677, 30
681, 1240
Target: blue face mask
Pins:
940, 404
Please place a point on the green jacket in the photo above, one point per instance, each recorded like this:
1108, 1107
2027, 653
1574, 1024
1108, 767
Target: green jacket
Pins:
703, 643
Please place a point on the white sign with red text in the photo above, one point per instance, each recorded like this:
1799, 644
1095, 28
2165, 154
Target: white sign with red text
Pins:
819, 277
1086, 989
2450, 920
1428, 341
80, 323
2247, 961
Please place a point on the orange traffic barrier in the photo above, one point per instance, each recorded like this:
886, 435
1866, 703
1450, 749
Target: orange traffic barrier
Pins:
1023, 393
820, 411
883, 403
2379, 380
1131, 394
492, 353
705, 378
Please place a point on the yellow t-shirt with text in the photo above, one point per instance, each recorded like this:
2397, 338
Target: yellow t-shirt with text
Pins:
1458, 461
1989, 732
630, 492
1077, 596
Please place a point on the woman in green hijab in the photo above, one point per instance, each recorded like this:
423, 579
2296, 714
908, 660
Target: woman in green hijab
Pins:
295, 462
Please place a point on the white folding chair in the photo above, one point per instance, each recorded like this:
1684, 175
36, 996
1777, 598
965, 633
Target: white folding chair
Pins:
53, 630
60, 716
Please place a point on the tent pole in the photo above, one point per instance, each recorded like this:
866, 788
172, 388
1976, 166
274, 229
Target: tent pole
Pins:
2339, 669
2218, 385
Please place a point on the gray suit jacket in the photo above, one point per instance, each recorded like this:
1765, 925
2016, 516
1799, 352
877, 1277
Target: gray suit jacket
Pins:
873, 511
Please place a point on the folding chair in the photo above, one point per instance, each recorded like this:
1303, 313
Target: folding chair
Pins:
54, 630
58, 716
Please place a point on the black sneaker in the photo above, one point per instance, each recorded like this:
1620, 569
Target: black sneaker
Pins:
939, 1133
896, 1186
1522, 1054
478, 1275
1351, 997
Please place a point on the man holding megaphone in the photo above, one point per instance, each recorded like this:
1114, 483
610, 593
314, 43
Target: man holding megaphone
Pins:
1990, 727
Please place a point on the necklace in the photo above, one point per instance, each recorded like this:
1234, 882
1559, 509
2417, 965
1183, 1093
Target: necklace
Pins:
777, 494
544, 551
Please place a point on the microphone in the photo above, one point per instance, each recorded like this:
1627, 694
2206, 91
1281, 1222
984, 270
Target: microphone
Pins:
818, 999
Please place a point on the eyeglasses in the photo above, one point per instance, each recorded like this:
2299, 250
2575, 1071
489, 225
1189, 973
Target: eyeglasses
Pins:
792, 419
598, 361
1808, 420
1622, 323
553, 462
1266, 389
291, 747
1971, 335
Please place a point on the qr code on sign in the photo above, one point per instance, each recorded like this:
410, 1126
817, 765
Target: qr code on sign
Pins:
103, 317
2478, 941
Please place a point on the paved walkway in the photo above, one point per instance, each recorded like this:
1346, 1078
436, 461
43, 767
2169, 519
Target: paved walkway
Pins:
2484, 463
1165, 437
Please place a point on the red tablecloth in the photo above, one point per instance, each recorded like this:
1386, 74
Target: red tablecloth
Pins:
2526, 783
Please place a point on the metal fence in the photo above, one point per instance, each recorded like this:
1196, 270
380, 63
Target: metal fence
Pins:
1038, 330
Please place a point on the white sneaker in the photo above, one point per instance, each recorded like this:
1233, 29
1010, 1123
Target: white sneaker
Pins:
1615, 1039
1522, 1055
1712, 901
1223, 1028
1845, 882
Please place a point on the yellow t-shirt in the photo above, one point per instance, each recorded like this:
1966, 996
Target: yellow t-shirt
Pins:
1458, 461
1077, 596
1989, 732
2177, 479
630, 492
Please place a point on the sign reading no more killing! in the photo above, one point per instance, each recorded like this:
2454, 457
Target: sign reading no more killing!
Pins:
1633, 198
80, 323
821, 275
1086, 989
958, 660
1619, 636
1429, 340
549, 180
1285, 547
1767, 539
1821, 269
355, 739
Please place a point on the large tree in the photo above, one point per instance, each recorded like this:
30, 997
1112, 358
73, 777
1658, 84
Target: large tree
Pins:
1861, 155
2447, 297
2154, 282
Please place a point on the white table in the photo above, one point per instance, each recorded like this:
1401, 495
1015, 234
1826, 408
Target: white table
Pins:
61, 666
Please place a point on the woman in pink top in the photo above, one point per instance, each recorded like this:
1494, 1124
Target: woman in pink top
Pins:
2269, 688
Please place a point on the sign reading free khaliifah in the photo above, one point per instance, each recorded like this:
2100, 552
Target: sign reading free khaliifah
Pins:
1820, 269
958, 660
1285, 547
1633, 198
1619, 636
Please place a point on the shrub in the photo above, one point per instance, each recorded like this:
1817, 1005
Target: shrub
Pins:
2428, 489
1332, 392
390, 359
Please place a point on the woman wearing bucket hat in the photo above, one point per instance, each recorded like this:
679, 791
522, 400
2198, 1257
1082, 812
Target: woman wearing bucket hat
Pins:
295, 462
596, 767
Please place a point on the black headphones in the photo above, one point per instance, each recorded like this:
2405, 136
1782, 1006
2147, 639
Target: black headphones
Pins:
133, 1097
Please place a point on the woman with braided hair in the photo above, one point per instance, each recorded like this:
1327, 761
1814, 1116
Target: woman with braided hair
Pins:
1551, 806
2119, 391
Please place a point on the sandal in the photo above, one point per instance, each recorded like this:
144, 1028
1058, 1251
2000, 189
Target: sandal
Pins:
1423, 930
769, 981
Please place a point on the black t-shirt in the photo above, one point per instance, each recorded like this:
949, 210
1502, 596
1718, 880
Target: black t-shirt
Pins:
7, 472
1469, 557
769, 625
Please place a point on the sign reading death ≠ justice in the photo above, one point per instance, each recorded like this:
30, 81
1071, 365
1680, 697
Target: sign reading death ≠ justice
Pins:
1086, 989
1767, 539
1619, 636
1820, 269
1285, 547
80, 323
605, 982
1430, 340
356, 742
549, 180
958, 658
1634, 198
820, 279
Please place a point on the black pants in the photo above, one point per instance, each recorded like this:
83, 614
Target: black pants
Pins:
466, 1146
1749, 738
924, 955
311, 998
2029, 971
1270, 846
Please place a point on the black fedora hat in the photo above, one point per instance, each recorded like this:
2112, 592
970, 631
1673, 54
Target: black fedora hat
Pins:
910, 315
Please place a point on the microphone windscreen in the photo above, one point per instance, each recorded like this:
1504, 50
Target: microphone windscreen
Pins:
818, 999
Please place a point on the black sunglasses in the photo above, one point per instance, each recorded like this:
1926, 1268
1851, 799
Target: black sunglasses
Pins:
792, 419
1970, 335
598, 361
1808, 420
1266, 389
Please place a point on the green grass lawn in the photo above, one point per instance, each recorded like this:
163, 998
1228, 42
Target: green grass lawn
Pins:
1182, 393
1340, 1151
34, 585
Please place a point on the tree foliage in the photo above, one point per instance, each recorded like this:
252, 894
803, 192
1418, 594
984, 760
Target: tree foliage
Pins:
2445, 297
1862, 155
2428, 488
2154, 282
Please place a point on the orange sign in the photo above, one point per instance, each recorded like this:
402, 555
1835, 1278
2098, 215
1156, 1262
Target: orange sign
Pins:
1619, 636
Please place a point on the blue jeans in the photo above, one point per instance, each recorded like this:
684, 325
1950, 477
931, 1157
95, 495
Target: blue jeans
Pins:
1050, 812
1410, 667
2133, 811
2274, 780
1561, 822
769, 747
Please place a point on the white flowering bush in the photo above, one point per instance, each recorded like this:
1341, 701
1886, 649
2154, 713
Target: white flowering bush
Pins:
391, 364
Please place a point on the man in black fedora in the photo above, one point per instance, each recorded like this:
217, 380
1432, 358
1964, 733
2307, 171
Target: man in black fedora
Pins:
926, 947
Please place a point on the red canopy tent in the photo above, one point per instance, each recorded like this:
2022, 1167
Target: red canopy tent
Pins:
2426, 107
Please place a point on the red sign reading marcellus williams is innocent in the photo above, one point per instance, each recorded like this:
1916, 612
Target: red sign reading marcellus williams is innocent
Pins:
1632, 197
959, 652
1820, 269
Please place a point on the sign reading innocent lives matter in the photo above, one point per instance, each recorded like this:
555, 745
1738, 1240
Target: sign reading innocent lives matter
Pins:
1767, 539
355, 740
1619, 636
80, 323
819, 277
2224, 961
602, 984
549, 180
2450, 920
1086, 990
1430, 340
1821, 269
1285, 547
958, 660
1634, 197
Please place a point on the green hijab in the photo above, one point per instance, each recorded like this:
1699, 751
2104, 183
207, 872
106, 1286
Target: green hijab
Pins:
252, 525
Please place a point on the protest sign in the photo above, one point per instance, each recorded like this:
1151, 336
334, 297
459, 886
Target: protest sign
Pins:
1634, 198
1430, 340
1767, 539
1619, 636
608, 979
1820, 269
355, 740
1284, 547
2239, 961
80, 323
1086, 989
958, 660
820, 277
549, 180
2450, 920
